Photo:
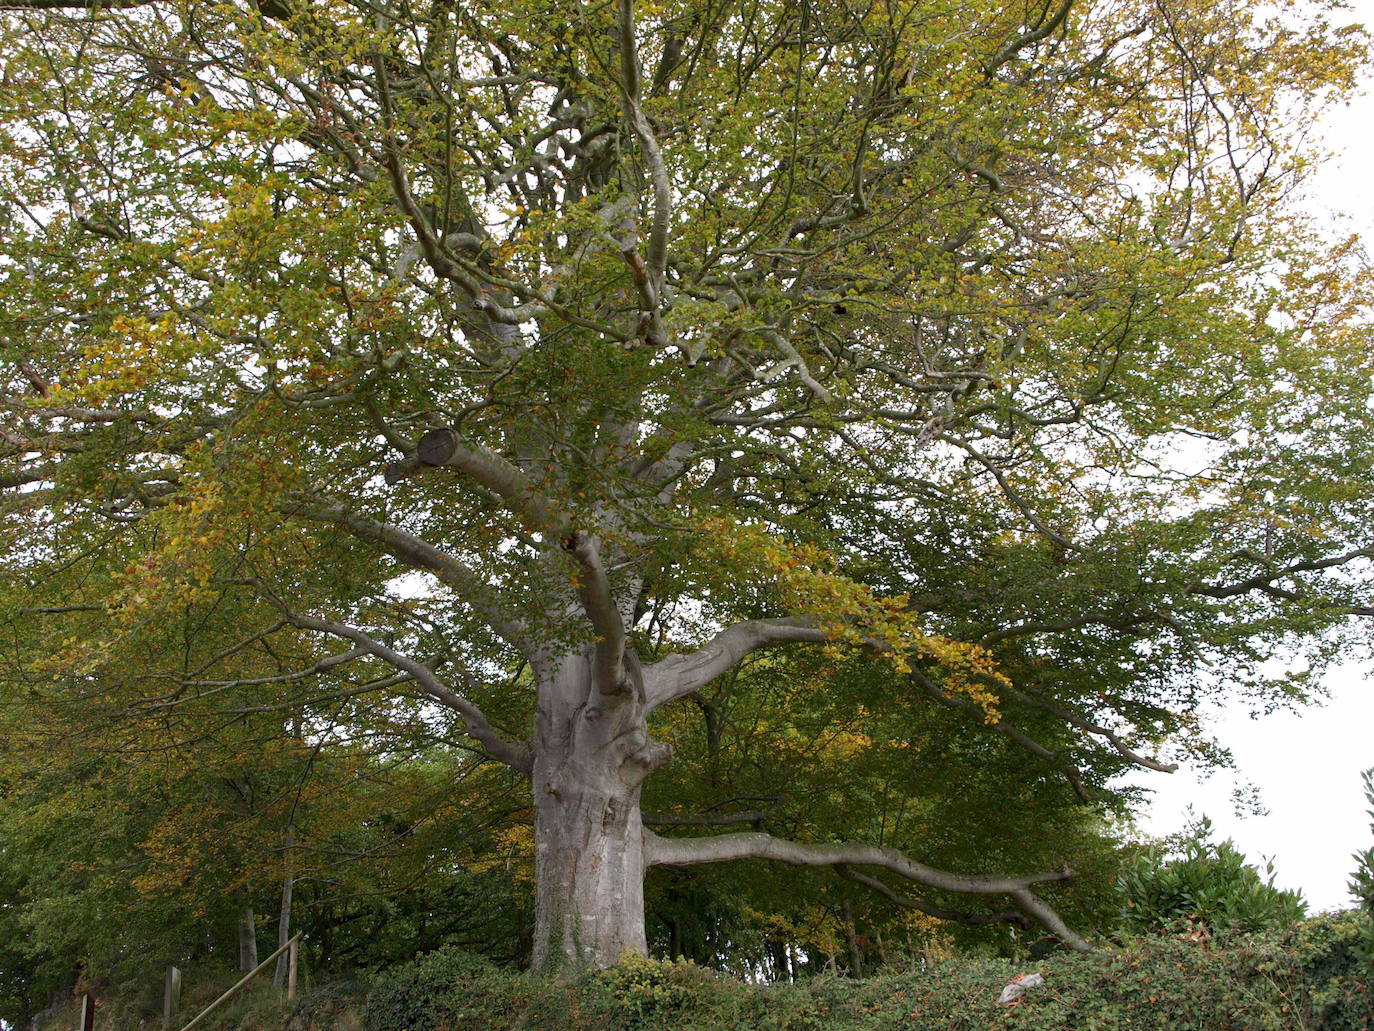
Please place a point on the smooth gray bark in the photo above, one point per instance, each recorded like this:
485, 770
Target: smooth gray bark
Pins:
593, 753
722, 847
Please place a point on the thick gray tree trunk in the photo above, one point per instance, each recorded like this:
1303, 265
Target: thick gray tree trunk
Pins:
589, 860
592, 755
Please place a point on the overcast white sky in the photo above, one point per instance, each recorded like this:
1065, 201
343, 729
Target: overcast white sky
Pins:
1306, 765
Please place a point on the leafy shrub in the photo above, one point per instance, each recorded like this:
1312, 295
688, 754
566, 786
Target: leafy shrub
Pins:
643, 993
1333, 982
1199, 881
1304, 978
330, 1007
446, 990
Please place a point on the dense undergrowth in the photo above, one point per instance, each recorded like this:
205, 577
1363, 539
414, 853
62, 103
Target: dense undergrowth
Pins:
1312, 976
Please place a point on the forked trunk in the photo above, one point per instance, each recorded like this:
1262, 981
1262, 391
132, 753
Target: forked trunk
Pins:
592, 757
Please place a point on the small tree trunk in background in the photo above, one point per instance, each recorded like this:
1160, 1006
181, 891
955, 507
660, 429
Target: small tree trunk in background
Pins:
284, 924
777, 959
171, 996
248, 939
674, 938
856, 960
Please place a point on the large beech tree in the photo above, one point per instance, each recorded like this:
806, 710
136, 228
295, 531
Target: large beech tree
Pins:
547, 359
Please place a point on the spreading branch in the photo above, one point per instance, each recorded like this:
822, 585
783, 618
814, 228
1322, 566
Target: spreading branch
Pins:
1030, 37
72, 5
444, 447
1086, 725
1007, 730
755, 845
681, 674
478, 728
1266, 581
648, 274
420, 554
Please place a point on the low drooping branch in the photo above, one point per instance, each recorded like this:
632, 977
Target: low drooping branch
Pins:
1001, 916
681, 674
479, 729
1049, 919
751, 845
720, 848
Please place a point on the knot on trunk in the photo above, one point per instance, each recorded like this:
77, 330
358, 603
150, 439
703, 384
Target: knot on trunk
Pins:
649, 757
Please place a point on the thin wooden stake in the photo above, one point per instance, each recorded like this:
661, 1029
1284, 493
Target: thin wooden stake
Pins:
171, 996
291, 969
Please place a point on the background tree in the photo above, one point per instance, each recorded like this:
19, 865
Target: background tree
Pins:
132, 843
558, 357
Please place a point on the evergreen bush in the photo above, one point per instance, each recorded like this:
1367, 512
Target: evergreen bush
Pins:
1193, 880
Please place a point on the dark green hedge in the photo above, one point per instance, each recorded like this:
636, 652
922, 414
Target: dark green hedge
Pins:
1309, 977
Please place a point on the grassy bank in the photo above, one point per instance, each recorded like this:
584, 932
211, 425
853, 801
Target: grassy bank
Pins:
1307, 978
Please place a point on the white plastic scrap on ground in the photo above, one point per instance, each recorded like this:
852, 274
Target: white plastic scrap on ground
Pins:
1017, 988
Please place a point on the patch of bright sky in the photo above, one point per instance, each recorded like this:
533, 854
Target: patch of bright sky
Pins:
1305, 765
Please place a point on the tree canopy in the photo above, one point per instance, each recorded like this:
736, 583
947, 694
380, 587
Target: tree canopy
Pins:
907, 400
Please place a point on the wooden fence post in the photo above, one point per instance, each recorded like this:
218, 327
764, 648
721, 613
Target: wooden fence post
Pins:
87, 1013
291, 969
